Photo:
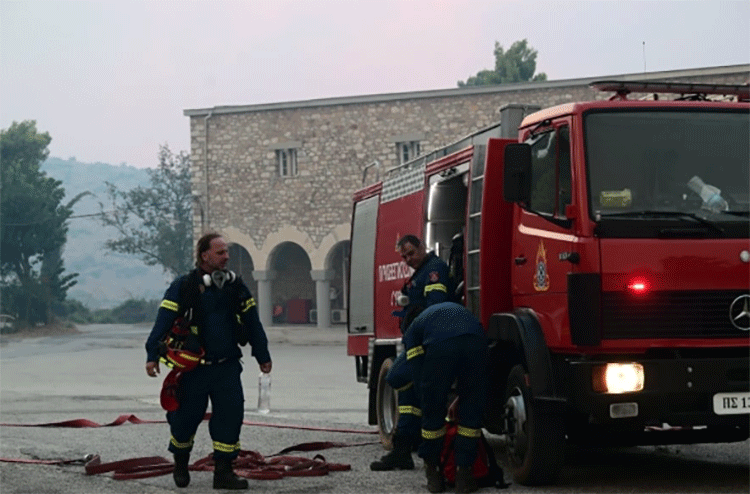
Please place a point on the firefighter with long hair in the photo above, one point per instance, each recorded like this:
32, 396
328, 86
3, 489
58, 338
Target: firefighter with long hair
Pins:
221, 315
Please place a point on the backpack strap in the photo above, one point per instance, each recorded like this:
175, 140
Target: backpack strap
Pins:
189, 295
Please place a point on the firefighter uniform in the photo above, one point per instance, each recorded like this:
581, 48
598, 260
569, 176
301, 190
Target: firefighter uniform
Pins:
443, 344
427, 286
217, 315
410, 414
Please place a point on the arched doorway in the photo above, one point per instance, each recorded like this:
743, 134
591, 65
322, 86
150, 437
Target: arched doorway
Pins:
241, 263
293, 289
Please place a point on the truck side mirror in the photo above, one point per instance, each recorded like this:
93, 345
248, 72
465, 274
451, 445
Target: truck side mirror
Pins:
517, 173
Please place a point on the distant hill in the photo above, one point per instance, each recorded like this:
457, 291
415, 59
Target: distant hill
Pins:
105, 278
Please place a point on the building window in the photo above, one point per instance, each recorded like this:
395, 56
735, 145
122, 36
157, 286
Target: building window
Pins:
286, 159
407, 151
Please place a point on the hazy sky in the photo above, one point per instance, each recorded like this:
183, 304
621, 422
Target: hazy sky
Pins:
109, 80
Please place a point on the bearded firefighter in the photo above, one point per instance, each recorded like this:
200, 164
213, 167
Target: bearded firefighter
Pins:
219, 315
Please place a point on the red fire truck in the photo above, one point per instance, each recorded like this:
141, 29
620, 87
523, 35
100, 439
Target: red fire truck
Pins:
604, 248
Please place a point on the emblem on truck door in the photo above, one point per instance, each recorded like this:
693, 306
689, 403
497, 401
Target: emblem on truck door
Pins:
541, 275
739, 312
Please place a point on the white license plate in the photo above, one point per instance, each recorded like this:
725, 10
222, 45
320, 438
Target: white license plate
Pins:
732, 403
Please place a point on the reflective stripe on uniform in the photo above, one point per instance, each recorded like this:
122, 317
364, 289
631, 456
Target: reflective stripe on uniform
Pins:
180, 445
404, 388
247, 304
435, 286
410, 410
433, 434
226, 448
415, 352
169, 305
468, 431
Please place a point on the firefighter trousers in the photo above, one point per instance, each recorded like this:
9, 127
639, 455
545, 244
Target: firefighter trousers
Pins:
409, 412
461, 359
222, 385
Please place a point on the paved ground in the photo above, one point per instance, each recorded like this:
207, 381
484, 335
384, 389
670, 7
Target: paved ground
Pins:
98, 374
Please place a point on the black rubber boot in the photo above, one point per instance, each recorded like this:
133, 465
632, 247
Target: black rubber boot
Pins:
435, 480
398, 458
224, 477
465, 481
181, 473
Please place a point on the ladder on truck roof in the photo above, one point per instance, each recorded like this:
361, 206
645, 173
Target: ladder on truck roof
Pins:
686, 90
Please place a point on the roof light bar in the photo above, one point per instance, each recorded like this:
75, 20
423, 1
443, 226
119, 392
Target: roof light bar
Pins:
622, 88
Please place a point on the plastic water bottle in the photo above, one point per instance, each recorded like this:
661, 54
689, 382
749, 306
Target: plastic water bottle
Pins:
710, 195
264, 392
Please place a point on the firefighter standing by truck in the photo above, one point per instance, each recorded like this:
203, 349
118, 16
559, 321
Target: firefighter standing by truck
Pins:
220, 300
427, 286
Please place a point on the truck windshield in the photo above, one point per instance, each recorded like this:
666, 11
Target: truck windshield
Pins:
692, 161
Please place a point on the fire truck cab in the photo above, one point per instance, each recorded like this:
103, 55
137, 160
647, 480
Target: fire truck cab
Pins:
604, 245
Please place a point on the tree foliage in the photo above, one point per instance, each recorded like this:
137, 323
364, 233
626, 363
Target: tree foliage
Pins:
156, 222
33, 226
518, 64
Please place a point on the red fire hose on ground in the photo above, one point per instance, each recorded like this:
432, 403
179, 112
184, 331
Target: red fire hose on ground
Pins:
249, 464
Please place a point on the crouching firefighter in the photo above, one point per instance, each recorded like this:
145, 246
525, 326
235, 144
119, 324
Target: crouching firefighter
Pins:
444, 344
204, 318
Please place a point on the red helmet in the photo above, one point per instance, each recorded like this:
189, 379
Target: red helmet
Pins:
182, 360
168, 397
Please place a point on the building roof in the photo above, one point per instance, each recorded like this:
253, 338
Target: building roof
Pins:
466, 91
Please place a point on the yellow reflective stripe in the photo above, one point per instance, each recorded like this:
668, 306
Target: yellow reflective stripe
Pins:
247, 304
433, 434
414, 352
404, 388
409, 410
226, 448
194, 329
169, 363
169, 305
435, 286
180, 445
468, 432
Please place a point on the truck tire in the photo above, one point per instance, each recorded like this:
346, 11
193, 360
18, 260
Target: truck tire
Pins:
535, 441
386, 405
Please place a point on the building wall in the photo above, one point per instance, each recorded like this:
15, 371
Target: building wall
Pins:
234, 148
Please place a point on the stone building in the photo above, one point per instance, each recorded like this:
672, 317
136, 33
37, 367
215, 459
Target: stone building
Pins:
277, 179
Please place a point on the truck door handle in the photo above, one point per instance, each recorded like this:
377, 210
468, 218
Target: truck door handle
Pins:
520, 260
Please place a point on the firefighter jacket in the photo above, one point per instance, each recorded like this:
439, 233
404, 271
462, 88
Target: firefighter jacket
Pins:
437, 323
223, 317
428, 285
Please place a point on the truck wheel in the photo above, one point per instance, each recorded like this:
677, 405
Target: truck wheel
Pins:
535, 441
386, 406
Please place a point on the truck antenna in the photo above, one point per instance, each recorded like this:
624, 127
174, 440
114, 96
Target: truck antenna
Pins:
644, 57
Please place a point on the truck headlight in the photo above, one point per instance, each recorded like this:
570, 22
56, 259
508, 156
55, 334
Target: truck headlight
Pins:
617, 378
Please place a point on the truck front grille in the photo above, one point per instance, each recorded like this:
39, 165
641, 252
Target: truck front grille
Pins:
673, 314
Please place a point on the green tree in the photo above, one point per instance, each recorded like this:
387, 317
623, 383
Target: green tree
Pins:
33, 226
518, 64
156, 222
